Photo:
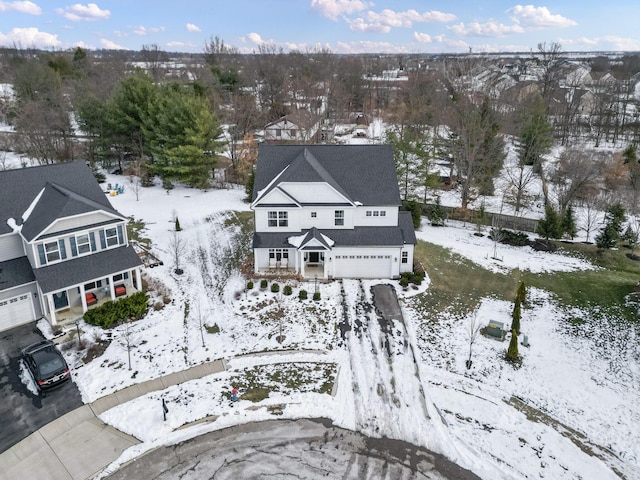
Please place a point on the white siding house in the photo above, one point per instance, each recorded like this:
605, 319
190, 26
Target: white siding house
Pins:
330, 211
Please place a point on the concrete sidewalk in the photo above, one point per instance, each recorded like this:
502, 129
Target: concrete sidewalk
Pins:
78, 445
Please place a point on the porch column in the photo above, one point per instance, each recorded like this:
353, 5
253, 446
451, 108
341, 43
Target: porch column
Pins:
83, 299
52, 308
138, 280
112, 289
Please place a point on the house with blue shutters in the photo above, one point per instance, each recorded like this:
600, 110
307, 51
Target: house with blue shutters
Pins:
330, 211
63, 247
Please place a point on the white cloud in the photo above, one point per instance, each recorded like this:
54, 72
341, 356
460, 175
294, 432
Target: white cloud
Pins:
488, 29
257, 40
529, 16
141, 30
190, 27
84, 13
29, 37
109, 45
333, 9
360, 25
387, 19
422, 37
369, 47
609, 42
22, 7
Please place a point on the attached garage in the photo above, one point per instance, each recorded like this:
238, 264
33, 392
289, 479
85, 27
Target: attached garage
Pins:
362, 266
16, 311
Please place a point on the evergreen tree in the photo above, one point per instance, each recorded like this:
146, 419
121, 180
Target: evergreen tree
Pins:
437, 214
178, 228
569, 222
515, 316
512, 351
550, 226
522, 293
610, 234
536, 134
248, 188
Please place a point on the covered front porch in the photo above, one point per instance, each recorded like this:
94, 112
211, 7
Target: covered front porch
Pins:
69, 304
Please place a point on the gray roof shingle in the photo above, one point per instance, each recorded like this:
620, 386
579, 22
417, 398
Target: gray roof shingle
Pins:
363, 173
15, 272
69, 189
85, 269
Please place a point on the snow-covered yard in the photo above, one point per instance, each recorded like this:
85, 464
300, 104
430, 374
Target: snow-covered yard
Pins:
565, 414
570, 412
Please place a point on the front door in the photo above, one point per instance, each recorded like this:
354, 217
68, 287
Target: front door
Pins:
60, 300
314, 257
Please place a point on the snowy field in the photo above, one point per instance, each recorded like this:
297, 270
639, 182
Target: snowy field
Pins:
570, 412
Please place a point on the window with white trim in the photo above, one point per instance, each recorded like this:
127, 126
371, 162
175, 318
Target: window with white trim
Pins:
82, 244
111, 236
314, 214
278, 219
339, 217
278, 253
52, 251
405, 257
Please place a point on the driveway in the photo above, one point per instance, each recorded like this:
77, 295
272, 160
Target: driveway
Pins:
22, 412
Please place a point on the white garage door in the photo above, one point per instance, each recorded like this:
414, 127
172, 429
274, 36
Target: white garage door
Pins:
362, 266
16, 311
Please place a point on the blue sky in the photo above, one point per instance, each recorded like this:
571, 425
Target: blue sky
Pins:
342, 26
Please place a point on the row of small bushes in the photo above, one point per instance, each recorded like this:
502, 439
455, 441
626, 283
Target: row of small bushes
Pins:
411, 277
111, 313
287, 290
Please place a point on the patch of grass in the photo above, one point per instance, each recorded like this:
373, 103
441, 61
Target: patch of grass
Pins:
212, 328
458, 284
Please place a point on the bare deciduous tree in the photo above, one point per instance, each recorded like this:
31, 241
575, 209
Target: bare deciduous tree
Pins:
178, 248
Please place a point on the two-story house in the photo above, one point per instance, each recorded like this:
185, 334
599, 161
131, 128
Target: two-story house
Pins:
63, 247
330, 211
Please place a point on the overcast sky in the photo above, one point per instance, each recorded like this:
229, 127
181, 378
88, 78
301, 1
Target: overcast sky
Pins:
342, 26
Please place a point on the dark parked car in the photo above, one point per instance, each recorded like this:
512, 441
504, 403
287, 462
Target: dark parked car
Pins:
46, 364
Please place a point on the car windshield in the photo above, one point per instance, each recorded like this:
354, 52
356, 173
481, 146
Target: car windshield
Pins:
48, 363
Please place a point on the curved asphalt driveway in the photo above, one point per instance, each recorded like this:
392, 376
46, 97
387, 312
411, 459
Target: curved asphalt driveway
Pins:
22, 412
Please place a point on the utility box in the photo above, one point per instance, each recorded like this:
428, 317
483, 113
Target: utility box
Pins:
495, 329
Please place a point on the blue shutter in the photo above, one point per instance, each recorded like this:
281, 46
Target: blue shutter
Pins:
63, 250
74, 250
120, 235
92, 239
43, 257
103, 243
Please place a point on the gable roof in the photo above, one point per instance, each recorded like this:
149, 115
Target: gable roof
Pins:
362, 173
64, 189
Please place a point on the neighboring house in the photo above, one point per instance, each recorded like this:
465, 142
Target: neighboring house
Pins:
330, 211
297, 127
63, 247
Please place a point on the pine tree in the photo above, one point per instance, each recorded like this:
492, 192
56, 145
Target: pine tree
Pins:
569, 222
522, 293
549, 226
610, 234
438, 214
178, 228
512, 351
515, 316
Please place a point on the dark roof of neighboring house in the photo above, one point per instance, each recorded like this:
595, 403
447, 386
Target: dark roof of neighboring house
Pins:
85, 269
15, 272
357, 237
363, 173
69, 189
